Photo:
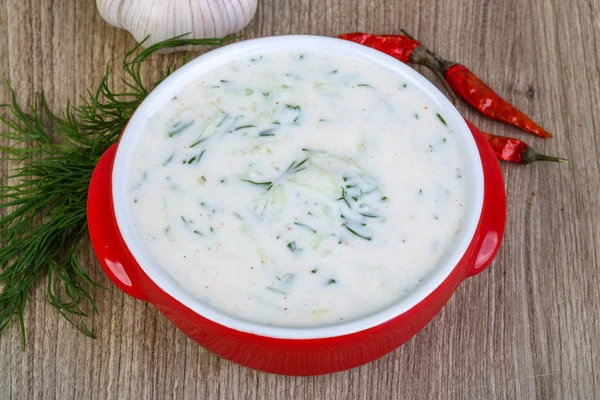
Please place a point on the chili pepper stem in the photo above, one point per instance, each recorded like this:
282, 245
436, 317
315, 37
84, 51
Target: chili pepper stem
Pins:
531, 155
443, 64
422, 56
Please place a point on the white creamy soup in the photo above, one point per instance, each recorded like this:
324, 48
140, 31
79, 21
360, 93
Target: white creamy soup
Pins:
297, 189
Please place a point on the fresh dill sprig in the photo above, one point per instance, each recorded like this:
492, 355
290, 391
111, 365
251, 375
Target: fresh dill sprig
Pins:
43, 214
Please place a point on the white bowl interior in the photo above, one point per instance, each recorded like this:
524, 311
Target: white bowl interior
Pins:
213, 59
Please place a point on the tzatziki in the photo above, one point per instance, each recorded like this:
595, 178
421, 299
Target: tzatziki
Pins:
297, 189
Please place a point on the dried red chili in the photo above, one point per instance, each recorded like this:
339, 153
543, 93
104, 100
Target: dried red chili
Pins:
398, 46
480, 96
516, 151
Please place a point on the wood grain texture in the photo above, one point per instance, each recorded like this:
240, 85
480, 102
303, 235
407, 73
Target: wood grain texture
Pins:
526, 328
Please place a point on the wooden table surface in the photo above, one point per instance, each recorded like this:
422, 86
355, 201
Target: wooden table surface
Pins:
525, 328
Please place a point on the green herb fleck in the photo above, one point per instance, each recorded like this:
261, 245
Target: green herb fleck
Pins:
249, 91
384, 198
357, 234
244, 127
344, 197
267, 132
367, 215
196, 143
276, 290
168, 160
179, 127
293, 107
305, 226
364, 85
196, 158
331, 282
238, 216
225, 117
267, 185
296, 167
441, 119
314, 271
292, 246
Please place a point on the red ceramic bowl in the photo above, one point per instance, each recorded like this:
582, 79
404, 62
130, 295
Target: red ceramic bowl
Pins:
295, 351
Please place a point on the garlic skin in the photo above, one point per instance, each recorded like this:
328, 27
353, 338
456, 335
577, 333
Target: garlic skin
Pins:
164, 19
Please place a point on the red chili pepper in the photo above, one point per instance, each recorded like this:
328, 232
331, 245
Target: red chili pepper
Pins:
516, 151
480, 96
398, 46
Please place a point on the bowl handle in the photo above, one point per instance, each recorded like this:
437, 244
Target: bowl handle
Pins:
108, 244
490, 230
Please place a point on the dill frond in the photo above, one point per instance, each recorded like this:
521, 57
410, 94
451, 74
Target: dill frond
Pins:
43, 214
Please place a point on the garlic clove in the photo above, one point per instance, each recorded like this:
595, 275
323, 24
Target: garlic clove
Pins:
163, 19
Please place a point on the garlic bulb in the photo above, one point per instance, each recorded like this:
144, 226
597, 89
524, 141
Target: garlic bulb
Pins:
164, 19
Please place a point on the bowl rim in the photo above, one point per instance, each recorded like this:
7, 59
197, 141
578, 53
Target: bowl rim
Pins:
212, 59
